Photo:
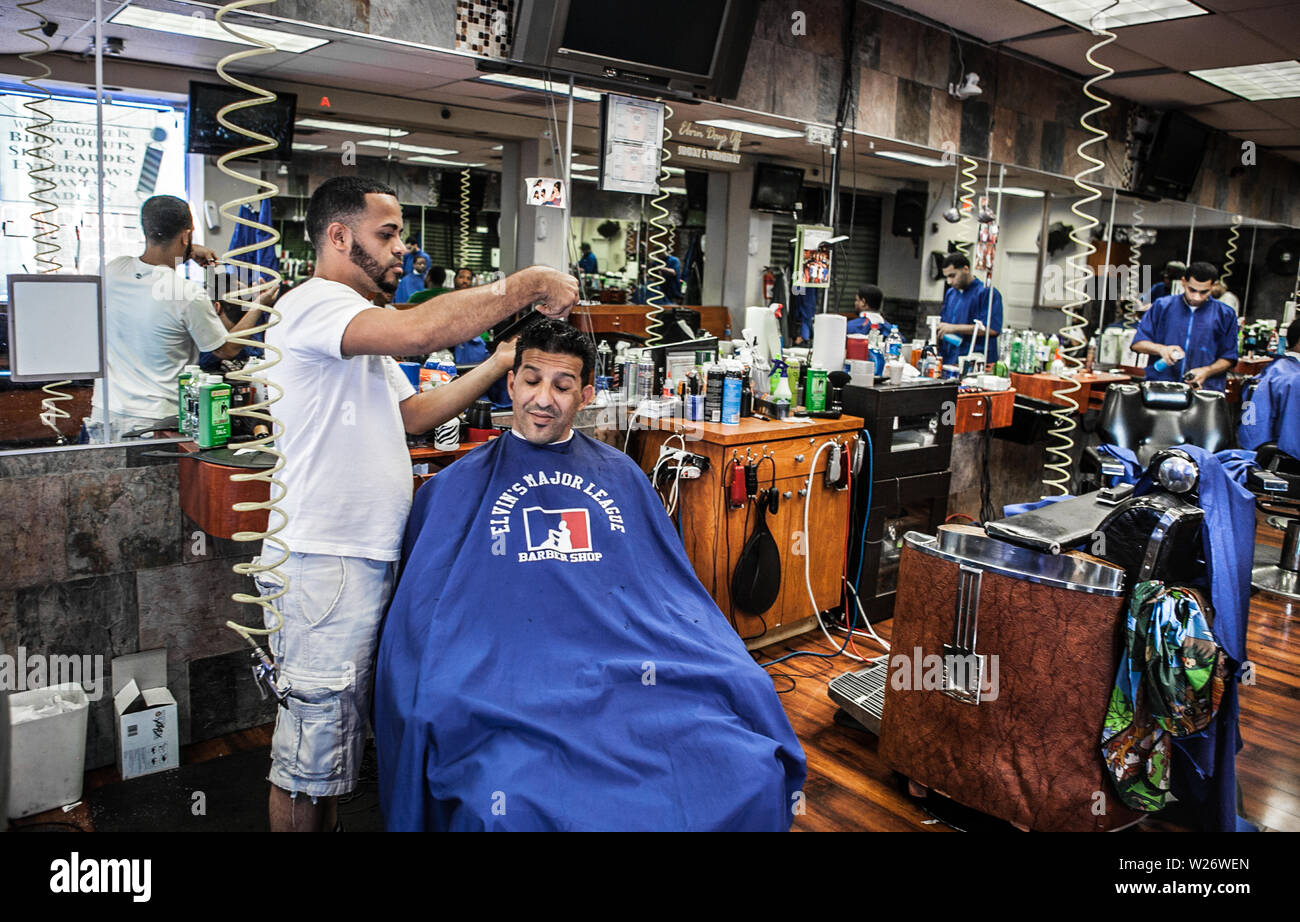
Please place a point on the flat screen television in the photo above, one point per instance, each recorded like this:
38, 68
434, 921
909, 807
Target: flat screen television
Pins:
691, 47
1175, 157
776, 188
208, 136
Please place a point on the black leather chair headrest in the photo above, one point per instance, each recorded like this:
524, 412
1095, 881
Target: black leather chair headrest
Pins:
1166, 395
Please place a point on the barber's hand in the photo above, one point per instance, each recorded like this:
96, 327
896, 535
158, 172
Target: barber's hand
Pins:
1173, 354
503, 359
556, 292
945, 329
1196, 377
202, 255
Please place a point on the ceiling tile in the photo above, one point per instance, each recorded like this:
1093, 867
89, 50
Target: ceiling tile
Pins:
1165, 90
991, 20
1201, 42
1236, 116
1288, 110
1279, 24
1070, 51
1232, 6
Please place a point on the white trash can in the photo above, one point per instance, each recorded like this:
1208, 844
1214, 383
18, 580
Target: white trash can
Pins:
47, 748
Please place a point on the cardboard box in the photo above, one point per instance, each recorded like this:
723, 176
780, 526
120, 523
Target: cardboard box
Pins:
147, 717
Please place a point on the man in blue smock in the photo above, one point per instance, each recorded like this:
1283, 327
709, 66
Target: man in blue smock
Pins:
412, 283
869, 300
1190, 336
670, 270
1272, 413
587, 262
413, 250
550, 660
965, 301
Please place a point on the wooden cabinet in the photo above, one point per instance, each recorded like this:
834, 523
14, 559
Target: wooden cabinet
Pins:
972, 410
714, 533
631, 318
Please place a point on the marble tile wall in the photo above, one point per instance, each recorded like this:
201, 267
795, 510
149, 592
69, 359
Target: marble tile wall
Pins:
103, 562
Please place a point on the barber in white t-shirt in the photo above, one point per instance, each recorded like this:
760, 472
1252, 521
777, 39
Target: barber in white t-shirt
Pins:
156, 322
345, 411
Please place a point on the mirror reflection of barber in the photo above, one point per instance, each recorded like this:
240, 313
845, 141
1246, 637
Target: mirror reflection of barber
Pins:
157, 322
1193, 335
965, 302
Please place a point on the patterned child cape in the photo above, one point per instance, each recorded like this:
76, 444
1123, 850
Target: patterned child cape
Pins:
1170, 680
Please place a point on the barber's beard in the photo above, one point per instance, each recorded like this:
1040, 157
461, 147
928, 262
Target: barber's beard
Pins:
371, 267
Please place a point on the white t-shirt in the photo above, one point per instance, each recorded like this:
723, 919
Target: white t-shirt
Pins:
347, 469
156, 323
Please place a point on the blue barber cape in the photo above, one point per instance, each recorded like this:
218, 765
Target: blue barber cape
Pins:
1272, 414
550, 661
963, 307
1205, 763
1205, 335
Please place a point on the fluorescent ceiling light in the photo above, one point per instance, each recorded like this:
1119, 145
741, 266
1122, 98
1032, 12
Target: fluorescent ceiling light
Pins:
767, 131
1256, 81
200, 27
910, 158
1123, 13
499, 147
1017, 191
585, 178
440, 161
532, 83
409, 148
584, 167
300, 145
352, 127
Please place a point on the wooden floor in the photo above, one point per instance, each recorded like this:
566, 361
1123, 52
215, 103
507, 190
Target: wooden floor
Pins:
850, 789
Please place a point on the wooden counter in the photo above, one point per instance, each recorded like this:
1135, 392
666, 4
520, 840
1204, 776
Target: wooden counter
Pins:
1091, 393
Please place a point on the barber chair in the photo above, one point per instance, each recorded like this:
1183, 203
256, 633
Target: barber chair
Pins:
1276, 485
1147, 416
1025, 645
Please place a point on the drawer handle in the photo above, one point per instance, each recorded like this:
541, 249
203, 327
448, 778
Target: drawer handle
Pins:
786, 495
975, 415
798, 458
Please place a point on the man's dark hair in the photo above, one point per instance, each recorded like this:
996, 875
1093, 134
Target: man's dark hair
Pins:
873, 297
1293, 336
956, 261
414, 238
435, 277
1176, 269
340, 199
560, 338
1201, 272
460, 269
163, 217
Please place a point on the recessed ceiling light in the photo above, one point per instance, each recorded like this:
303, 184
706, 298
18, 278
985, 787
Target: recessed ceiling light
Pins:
1017, 191
1116, 15
302, 145
409, 148
353, 127
1256, 81
532, 83
766, 131
910, 158
441, 162
201, 27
